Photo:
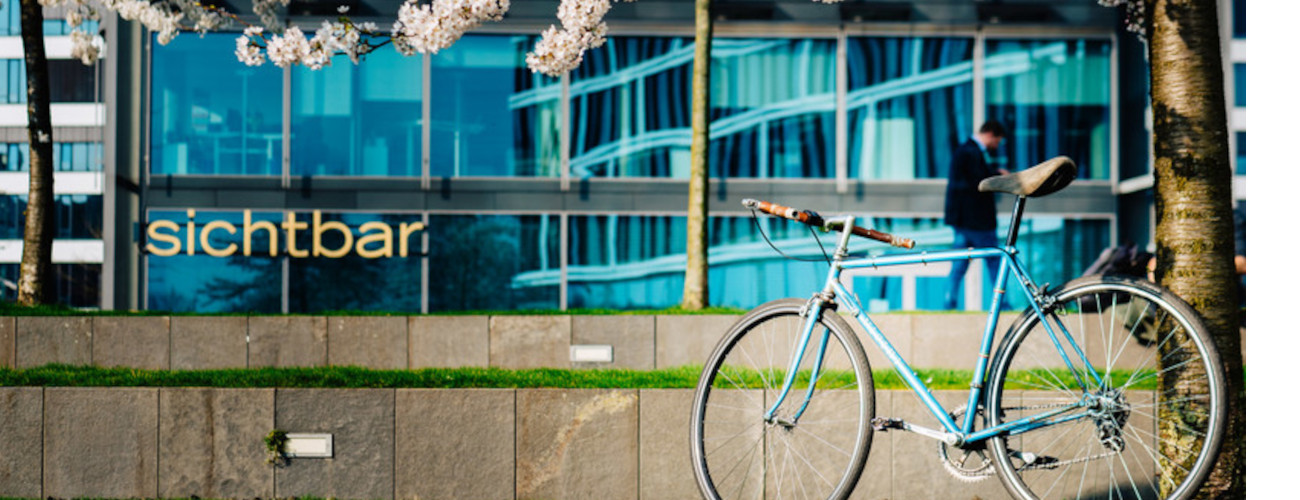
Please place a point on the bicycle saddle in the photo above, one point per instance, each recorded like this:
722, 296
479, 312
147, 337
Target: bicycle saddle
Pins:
1041, 180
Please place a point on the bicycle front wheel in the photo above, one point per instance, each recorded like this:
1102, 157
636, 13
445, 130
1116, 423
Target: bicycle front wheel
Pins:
1140, 413
738, 453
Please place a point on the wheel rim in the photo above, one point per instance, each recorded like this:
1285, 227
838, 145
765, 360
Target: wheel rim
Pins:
744, 455
1135, 435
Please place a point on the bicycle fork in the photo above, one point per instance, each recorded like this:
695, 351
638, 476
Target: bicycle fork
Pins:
812, 314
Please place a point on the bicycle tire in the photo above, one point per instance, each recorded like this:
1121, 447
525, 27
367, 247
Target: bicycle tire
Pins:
743, 377
1140, 435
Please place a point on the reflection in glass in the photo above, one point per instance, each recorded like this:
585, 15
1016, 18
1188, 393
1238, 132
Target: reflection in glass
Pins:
909, 105
1053, 96
630, 109
353, 282
491, 116
203, 283
76, 216
211, 114
358, 119
1239, 84
1241, 153
75, 285
773, 108
68, 157
493, 262
70, 81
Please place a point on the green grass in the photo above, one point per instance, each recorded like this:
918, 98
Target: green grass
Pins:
353, 377
12, 309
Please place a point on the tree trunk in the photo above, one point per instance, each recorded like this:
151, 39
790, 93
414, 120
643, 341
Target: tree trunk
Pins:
1193, 185
696, 293
36, 274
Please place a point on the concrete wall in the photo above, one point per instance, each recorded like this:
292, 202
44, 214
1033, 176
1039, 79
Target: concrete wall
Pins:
639, 342
398, 443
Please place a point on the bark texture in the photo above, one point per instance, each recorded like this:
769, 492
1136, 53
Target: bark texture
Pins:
36, 273
1193, 184
696, 293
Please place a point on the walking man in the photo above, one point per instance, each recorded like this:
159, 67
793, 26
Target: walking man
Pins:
972, 214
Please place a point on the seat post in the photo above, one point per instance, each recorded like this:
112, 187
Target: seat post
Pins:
1016, 212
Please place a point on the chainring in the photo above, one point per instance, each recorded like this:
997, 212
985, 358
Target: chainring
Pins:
967, 465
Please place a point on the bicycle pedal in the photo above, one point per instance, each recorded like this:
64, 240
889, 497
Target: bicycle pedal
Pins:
882, 424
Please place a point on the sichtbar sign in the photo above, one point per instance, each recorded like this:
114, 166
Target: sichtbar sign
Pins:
302, 238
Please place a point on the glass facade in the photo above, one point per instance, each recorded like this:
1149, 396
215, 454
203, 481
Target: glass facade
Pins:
1239, 84
624, 113
772, 107
75, 285
77, 216
630, 103
70, 81
211, 114
68, 157
1054, 98
364, 119
909, 105
1241, 153
490, 115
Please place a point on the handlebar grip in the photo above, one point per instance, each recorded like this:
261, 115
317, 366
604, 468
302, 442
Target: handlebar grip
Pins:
813, 219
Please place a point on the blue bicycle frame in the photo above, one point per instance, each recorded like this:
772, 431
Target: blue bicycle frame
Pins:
1009, 265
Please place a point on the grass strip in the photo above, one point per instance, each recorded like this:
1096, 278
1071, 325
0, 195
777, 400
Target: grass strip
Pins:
442, 378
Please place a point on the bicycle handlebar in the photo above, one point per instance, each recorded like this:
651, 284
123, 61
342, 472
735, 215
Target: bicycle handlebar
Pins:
812, 218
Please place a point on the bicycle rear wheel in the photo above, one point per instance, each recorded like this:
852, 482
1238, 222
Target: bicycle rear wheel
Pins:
738, 454
1152, 426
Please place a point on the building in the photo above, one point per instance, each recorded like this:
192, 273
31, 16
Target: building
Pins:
461, 181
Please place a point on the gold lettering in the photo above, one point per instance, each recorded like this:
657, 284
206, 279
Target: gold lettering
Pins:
250, 227
319, 228
156, 234
291, 225
207, 246
385, 236
189, 233
405, 231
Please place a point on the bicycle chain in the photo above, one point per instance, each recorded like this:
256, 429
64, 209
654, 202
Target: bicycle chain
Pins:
986, 471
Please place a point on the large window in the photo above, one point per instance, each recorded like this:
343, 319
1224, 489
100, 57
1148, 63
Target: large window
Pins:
68, 157
491, 116
358, 119
1053, 96
70, 81
909, 105
355, 281
76, 216
75, 285
494, 262
630, 104
210, 113
773, 108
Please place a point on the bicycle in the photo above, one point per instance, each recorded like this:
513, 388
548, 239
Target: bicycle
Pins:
1106, 387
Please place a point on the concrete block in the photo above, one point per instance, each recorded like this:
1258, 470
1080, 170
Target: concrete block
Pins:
209, 342
53, 339
455, 443
285, 341
917, 470
632, 338
132, 341
576, 444
529, 341
946, 340
682, 339
361, 421
20, 440
9, 344
897, 328
101, 442
210, 442
448, 341
666, 472
377, 342
876, 483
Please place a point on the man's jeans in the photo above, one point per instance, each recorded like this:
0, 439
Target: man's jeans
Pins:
969, 238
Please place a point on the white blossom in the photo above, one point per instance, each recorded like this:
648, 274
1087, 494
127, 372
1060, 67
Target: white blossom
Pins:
248, 53
431, 27
84, 47
288, 49
560, 50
